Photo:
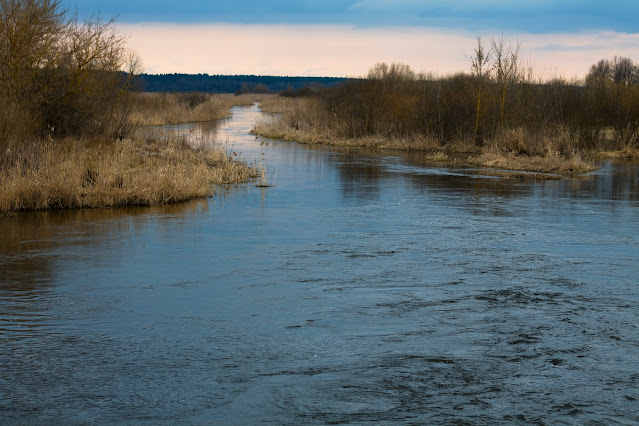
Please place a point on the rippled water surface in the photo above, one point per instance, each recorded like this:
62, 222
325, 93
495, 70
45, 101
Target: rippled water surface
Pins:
360, 287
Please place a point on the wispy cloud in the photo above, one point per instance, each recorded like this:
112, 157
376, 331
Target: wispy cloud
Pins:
346, 50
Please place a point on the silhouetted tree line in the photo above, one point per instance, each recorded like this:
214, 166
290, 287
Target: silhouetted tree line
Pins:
229, 83
60, 76
498, 101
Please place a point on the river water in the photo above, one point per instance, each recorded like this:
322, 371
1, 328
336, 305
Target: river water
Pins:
360, 287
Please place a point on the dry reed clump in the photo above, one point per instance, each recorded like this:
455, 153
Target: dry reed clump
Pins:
156, 109
89, 173
521, 150
511, 140
278, 104
626, 153
304, 120
552, 162
525, 142
439, 157
519, 175
297, 119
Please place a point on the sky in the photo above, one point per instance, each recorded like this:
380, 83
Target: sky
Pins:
558, 38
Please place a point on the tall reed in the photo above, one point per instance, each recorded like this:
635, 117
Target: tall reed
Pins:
78, 173
155, 109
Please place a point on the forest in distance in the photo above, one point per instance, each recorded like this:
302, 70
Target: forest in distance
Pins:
230, 83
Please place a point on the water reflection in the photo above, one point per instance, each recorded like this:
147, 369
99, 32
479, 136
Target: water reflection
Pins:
202, 133
361, 178
36, 247
363, 173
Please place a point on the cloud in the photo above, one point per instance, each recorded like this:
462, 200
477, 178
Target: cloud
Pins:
327, 50
346, 50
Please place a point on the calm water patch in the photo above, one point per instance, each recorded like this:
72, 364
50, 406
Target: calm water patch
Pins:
361, 287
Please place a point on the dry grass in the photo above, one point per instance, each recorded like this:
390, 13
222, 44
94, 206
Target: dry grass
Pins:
302, 120
518, 175
439, 157
520, 150
278, 104
156, 109
297, 119
140, 170
628, 153
90, 173
550, 163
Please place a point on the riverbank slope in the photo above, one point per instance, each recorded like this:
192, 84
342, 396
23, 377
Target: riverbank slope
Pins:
515, 154
139, 169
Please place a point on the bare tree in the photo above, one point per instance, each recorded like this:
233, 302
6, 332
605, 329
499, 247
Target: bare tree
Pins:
624, 71
619, 70
480, 70
505, 60
31, 34
59, 73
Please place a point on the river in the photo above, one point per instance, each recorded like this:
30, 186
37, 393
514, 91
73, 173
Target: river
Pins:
360, 287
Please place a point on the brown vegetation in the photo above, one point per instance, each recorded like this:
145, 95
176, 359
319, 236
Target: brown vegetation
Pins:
547, 164
68, 117
76, 173
277, 104
498, 113
155, 109
59, 76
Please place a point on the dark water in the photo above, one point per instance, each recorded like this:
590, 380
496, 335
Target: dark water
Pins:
359, 288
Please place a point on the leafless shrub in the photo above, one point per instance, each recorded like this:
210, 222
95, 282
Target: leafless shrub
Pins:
498, 106
63, 76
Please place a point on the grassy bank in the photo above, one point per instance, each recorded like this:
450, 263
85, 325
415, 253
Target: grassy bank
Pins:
98, 171
69, 117
156, 109
89, 173
305, 120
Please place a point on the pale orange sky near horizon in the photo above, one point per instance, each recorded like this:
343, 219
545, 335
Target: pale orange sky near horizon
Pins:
342, 50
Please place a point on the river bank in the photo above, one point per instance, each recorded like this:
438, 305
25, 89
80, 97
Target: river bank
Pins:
158, 109
516, 153
140, 169
85, 173
458, 154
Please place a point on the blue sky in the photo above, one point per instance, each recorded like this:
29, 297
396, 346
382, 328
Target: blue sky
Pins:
536, 16
346, 37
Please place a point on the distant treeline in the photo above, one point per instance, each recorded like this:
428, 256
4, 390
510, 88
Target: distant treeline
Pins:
229, 83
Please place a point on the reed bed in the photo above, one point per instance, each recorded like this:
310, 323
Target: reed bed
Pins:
304, 120
86, 173
273, 103
156, 109
69, 117
550, 163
